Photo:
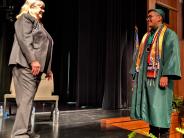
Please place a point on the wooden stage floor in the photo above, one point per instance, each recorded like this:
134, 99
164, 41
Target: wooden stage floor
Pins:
140, 126
89, 123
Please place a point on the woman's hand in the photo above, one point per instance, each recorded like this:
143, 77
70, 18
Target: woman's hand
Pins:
35, 65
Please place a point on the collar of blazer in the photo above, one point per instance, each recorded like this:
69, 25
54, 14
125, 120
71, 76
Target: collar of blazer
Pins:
32, 19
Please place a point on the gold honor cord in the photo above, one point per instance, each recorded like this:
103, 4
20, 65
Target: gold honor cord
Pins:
153, 51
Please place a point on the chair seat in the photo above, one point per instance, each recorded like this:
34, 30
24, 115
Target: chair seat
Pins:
45, 98
42, 98
9, 96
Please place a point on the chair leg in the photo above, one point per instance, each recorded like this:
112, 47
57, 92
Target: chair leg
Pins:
10, 112
54, 107
52, 110
56, 104
4, 105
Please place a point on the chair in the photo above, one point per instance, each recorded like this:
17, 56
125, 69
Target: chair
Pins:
44, 93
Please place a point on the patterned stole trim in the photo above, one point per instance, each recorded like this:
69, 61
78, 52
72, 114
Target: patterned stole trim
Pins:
156, 48
141, 50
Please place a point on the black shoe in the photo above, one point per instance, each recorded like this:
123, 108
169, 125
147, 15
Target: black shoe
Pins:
154, 131
164, 132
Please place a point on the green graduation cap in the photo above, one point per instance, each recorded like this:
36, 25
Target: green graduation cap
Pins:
159, 11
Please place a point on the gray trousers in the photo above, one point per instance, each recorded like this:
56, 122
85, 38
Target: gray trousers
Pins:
25, 87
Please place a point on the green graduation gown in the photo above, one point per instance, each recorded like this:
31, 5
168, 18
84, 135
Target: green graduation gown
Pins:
150, 102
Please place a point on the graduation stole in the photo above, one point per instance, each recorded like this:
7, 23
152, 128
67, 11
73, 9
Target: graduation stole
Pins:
155, 53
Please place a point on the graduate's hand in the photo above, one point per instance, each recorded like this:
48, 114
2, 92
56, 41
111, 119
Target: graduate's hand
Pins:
35, 65
164, 82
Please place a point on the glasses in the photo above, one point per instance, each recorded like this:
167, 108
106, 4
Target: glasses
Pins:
150, 17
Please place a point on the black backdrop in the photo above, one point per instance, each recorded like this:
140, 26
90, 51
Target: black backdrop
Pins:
93, 46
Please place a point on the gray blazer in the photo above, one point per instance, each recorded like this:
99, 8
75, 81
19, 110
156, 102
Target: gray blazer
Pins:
31, 42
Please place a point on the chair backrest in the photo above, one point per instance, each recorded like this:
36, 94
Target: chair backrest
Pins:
45, 88
12, 88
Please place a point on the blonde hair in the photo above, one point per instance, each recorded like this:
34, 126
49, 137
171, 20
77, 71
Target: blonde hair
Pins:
27, 5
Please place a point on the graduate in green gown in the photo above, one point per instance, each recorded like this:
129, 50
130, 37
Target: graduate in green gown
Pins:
156, 65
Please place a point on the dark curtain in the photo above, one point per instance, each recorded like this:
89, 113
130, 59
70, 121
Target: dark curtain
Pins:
120, 30
105, 48
61, 21
93, 47
6, 40
91, 53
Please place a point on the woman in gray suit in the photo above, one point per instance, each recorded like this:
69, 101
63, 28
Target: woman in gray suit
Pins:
30, 56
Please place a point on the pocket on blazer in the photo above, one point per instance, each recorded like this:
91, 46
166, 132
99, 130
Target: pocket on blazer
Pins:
37, 37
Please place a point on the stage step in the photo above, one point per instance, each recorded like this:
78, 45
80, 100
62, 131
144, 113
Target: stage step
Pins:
140, 126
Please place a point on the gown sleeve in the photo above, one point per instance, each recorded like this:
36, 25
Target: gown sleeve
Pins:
171, 56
